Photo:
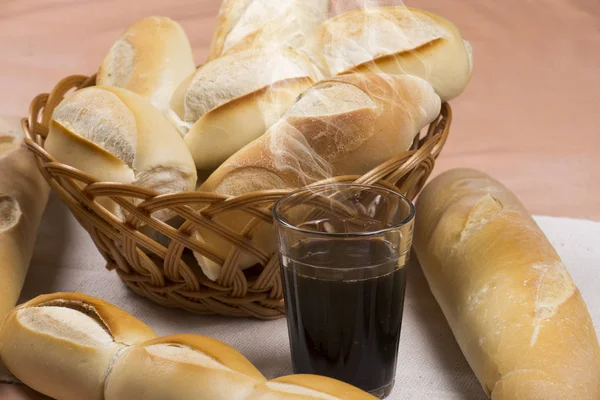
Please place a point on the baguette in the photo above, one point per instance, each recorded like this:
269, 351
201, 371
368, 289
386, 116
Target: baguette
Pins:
117, 136
394, 40
63, 344
297, 387
342, 126
151, 58
198, 367
232, 100
23, 197
246, 24
517, 316
71, 346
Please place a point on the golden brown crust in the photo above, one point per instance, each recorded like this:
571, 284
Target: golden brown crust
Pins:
229, 14
356, 140
325, 385
285, 25
67, 356
115, 135
123, 327
374, 65
224, 354
63, 344
182, 367
293, 84
507, 296
101, 164
150, 58
23, 197
341, 126
396, 40
233, 100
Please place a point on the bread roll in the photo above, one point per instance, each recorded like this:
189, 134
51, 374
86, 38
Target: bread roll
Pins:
296, 387
507, 296
342, 126
150, 58
182, 367
23, 197
71, 346
64, 344
232, 100
394, 40
117, 136
245, 24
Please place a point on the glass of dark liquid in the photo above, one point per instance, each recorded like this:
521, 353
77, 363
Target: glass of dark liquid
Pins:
343, 248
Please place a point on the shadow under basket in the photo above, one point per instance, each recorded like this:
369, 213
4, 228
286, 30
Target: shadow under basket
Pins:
168, 274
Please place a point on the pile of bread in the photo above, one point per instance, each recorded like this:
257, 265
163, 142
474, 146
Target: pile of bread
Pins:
287, 97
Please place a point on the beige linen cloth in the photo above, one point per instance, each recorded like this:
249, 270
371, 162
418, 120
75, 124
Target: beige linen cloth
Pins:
430, 364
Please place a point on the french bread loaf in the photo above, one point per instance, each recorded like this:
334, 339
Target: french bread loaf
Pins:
232, 100
116, 135
72, 346
64, 344
151, 58
341, 126
246, 24
517, 316
182, 367
23, 197
394, 40
296, 387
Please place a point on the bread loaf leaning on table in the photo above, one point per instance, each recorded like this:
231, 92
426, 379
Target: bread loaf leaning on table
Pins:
116, 135
232, 100
507, 296
150, 58
64, 344
342, 126
394, 40
245, 24
71, 346
23, 197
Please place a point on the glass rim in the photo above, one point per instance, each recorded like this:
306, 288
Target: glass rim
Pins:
404, 222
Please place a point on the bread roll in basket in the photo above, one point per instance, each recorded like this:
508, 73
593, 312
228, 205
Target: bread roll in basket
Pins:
170, 275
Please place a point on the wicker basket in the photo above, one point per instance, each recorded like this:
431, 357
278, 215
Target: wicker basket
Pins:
167, 275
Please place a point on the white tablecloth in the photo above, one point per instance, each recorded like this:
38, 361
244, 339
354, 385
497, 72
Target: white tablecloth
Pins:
430, 365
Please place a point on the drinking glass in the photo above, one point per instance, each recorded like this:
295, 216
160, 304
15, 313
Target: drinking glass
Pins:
343, 249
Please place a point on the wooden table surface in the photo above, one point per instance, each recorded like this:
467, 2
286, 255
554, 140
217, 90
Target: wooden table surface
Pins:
529, 116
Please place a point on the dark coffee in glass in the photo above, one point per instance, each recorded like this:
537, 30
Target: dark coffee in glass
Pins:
343, 249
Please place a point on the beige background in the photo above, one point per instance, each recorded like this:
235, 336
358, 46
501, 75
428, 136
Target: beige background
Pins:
529, 117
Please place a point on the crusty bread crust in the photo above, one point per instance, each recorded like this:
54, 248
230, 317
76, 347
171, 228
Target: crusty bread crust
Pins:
63, 344
245, 24
234, 99
516, 314
341, 126
150, 58
116, 135
394, 40
71, 346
